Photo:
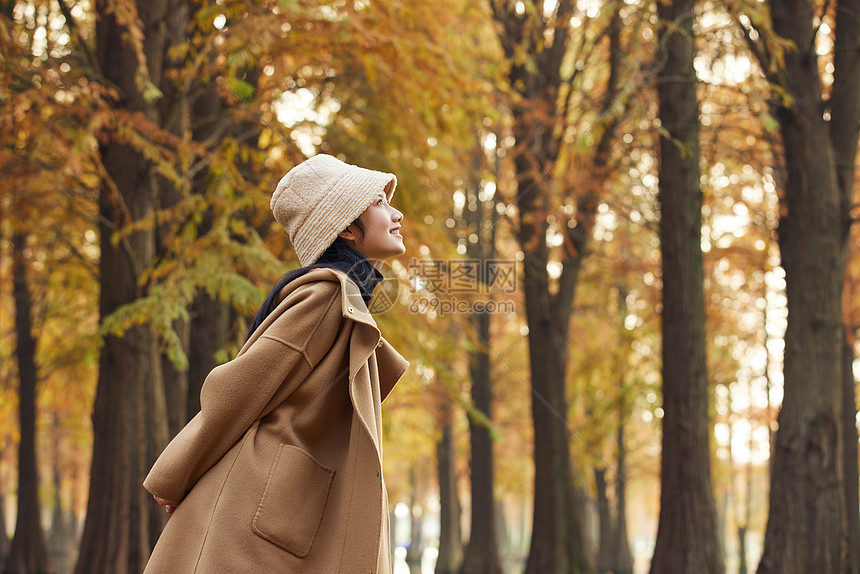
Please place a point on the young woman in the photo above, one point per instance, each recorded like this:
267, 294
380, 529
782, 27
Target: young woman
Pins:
281, 471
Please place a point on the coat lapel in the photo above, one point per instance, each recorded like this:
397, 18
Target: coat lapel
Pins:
365, 342
391, 365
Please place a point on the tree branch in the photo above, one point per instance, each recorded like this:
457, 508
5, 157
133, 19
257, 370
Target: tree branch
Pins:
75, 30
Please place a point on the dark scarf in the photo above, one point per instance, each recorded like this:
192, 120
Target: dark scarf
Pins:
338, 256
352, 262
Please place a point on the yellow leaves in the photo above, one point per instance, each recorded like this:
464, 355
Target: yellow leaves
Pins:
238, 227
126, 15
370, 70
265, 139
150, 90
782, 94
754, 17
240, 87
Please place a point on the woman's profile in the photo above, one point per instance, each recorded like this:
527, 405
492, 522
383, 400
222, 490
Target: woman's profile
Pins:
281, 471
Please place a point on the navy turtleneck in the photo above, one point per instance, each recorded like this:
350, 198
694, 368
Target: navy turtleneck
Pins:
341, 256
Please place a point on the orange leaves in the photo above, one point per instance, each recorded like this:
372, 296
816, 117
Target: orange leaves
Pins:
126, 14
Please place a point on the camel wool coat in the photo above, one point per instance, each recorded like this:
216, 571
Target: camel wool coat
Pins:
281, 471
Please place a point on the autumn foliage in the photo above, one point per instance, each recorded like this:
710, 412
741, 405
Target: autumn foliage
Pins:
140, 141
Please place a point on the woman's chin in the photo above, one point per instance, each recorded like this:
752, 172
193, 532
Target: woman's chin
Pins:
396, 247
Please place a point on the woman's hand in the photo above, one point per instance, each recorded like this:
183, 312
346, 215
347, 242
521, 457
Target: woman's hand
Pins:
169, 507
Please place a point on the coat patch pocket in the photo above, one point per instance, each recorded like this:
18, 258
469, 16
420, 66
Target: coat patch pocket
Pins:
292, 505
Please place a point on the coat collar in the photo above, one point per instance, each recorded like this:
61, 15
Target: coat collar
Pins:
367, 349
352, 304
390, 364
365, 339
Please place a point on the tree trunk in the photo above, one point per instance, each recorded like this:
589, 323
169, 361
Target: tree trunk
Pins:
852, 497
210, 330
174, 118
557, 543
540, 121
450, 539
844, 134
61, 538
176, 383
557, 540
606, 551
414, 552
687, 538
129, 420
742, 549
743, 520
807, 519
482, 553
210, 319
28, 553
623, 559
502, 530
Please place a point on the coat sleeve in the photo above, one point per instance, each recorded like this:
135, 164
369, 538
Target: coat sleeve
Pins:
234, 394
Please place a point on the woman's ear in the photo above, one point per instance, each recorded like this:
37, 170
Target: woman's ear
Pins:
347, 234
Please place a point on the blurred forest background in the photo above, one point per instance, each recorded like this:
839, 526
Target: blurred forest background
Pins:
653, 201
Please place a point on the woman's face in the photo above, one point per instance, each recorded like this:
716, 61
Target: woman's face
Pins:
381, 239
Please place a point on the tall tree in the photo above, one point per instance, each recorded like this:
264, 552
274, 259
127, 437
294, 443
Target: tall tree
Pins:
62, 542
849, 405
535, 39
808, 517
29, 552
45, 157
613, 546
687, 537
557, 543
482, 553
623, 559
209, 325
613, 551
450, 541
129, 420
605, 549
174, 118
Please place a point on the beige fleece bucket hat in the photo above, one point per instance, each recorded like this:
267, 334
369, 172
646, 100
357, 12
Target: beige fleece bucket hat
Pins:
320, 197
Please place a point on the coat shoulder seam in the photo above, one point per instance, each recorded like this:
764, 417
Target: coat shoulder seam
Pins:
298, 350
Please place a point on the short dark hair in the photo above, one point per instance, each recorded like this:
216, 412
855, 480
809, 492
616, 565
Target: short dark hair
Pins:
359, 225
